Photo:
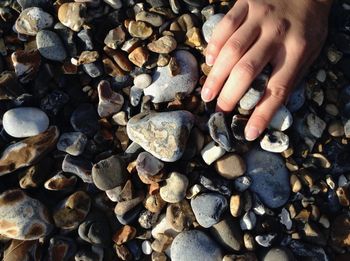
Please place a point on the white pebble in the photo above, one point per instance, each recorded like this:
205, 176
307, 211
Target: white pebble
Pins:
282, 119
248, 221
142, 81
321, 76
146, 247
285, 219
275, 142
212, 152
265, 240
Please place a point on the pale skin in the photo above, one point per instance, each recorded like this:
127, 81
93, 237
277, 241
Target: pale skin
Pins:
288, 34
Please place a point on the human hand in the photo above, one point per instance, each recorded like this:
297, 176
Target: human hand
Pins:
287, 34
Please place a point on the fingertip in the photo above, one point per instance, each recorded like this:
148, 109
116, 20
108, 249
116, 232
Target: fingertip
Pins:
207, 94
210, 60
252, 132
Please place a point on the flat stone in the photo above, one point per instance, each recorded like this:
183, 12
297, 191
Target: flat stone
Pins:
84, 119
50, 46
219, 130
230, 166
154, 19
115, 37
61, 182
164, 134
32, 20
147, 164
212, 152
26, 64
174, 188
78, 166
195, 245
109, 173
315, 125
110, 102
165, 44
282, 119
165, 87
95, 229
72, 15
275, 141
209, 208
23, 217
25, 122
72, 142
270, 178
209, 25
139, 56
28, 151
140, 29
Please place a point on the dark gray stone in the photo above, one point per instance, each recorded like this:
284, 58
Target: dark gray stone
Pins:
50, 45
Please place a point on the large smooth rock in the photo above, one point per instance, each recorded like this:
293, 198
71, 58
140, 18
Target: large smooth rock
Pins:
195, 245
163, 134
270, 177
25, 122
23, 217
28, 151
165, 86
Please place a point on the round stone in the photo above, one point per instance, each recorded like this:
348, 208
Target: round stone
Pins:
32, 20
72, 15
279, 253
146, 247
140, 29
195, 245
175, 187
282, 119
275, 141
230, 166
142, 81
209, 25
208, 208
147, 164
109, 173
315, 125
336, 129
25, 122
50, 46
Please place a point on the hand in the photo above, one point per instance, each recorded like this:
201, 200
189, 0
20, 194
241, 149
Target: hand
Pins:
288, 34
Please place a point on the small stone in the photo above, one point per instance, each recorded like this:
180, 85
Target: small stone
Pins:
142, 81
139, 56
153, 19
173, 67
180, 216
50, 46
32, 20
95, 229
194, 245
278, 253
72, 142
230, 166
275, 141
210, 24
94, 70
162, 243
285, 219
194, 38
237, 126
165, 44
72, 211
86, 39
78, 166
208, 208
115, 37
146, 247
242, 183
135, 96
28, 151
109, 173
248, 221
332, 109
336, 129
219, 130
120, 118
23, 217
120, 58
295, 183
147, 164
68, 38
212, 152
154, 203
265, 240
164, 134
140, 29
109, 102
84, 119
163, 227
148, 219
72, 15
60, 182
236, 205
175, 187
125, 234
26, 64
315, 125
25, 122
282, 119
165, 86
321, 76
88, 57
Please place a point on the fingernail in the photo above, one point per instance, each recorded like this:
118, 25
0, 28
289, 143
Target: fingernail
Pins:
251, 133
207, 95
209, 60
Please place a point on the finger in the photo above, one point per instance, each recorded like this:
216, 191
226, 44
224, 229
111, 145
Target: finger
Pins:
230, 54
282, 79
225, 28
243, 74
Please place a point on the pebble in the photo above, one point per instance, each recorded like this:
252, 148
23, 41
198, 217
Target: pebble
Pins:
297, 98
165, 86
236, 205
151, 18
347, 129
146, 247
147, 164
109, 173
139, 56
180, 216
295, 183
78, 166
140, 29
278, 253
209, 25
164, 134
336, 129
219, 130
23, 217
163, 227
282, 119
248, 221
143, 80
50, 46
275, 141
61, 182
61, 247
230, 166
237, 126
135, 96
72, 15
94, 70
95, 229
165, 44
212, 152
25, 122
174, 188
84, 119
195, 245
209, 208
315, 125
26, 64
32, 20
115, 37
28, 151
270, 178
72, 143
242, 183
109, 102
116, 4
265, 240
68, 38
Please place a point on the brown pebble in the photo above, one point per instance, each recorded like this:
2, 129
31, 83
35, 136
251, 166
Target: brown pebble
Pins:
165, 44
180, 216
343, 194
154, 203
123, 235
230, 166
123, 252
115, 37
120, 58
111, 68
236, 205
139, 56
140, 29
161, 243
173, 67
88, 57
194, 38
72, 15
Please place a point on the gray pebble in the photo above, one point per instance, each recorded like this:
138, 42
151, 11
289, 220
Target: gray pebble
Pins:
209, 26
72, 142
147, 164
78, 166
142, 81
94, 70
219, 130
50, 46
279, 253
282, 119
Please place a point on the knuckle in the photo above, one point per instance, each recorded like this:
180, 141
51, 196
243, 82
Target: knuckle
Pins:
266, 9
247, 67
234, 45
280, 27
278, 92
230, 19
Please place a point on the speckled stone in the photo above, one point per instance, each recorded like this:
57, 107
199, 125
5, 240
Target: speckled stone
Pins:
50, 46
28, 151
25, 122
109, 102
164, 134
180, 216
32, 20
23, 217
140, 29
209, 25
165, 86
195, 245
